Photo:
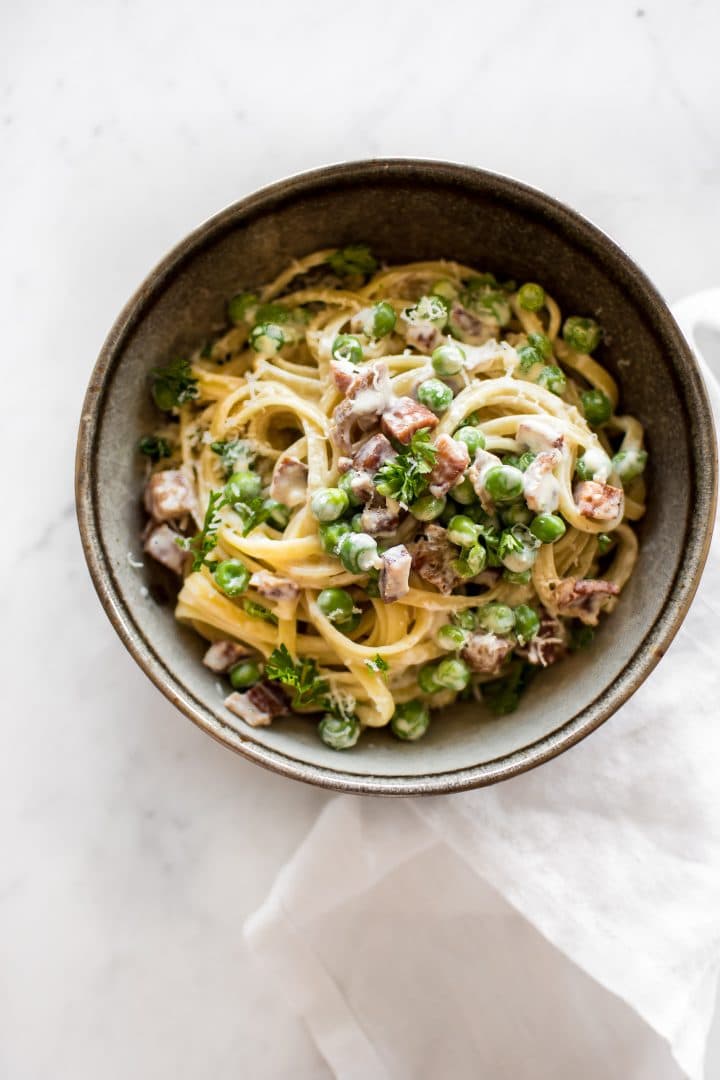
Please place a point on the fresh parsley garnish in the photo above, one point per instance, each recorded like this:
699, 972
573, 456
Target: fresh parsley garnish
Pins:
378, 665
232, 451
405, 477
258, 611
154, 447
173, 385
255, 512
203, 542
301, 676
502, 696
353, 260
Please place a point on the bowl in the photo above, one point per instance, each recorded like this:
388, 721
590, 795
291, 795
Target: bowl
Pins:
407, 210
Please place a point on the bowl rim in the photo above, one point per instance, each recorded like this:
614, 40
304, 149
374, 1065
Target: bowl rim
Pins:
675, 606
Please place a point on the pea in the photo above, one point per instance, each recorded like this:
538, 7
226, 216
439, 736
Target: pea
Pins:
514, 578
472, 437
531, 296
267, 338
629, 464
383, 319
347, 347
462, 531
231, 577
503, 483
464, 492
426, 679
582, 335
349, 625
453, 674
547, 528
427, 508
496, 618
435, 395
243, 486
596, 406
541, 343
345, 483
552, 378
328, 504
529, 356
517, 514
335, 604
410, 721
432, 309
448, 359
339, 732
451, 637
358, 552
604, 543
527, 623
241, 306
466, 619
244, 674
445, 288
332, 534
279, 513
471, 562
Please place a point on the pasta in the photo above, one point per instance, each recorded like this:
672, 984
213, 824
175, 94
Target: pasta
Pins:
387, 488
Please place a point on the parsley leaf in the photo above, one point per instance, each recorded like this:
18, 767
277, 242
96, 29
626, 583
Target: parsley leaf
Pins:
203, 542
258, 611
405, 477
353, 259
378, 666
502, 696
154, 447
302, 677
233, 452
173, 384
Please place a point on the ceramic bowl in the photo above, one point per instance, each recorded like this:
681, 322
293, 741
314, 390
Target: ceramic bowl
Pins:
407, 210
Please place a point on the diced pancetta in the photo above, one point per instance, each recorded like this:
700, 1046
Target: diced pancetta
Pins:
405, 417
541, 487
274, 587
393, 582
289, 481
259, 705
169, 495
485, 653
451, 462
423, 336
222, 655
583, 598
599, 502
538, 435
161, 544
432, 558
548, 645
373, 453
469, 327
368, 395
379, 520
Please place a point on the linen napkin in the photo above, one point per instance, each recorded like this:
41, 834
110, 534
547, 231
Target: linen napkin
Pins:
564, 924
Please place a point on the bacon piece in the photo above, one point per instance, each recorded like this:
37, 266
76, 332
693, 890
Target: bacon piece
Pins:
485, 653
161, 545
470, 327
432, 559
583, 598
599, 502
368, 395
405, 417
373, 453
548, 645
451, 462
259, 705
222, 655
393, 582
379, 520
423, 336
274, 587
289, 481
539, 435
541, 487
343, 374
169, 495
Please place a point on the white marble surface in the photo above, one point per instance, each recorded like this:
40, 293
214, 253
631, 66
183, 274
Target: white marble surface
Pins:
132, 845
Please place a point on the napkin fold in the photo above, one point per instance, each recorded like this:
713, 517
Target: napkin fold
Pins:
564, 923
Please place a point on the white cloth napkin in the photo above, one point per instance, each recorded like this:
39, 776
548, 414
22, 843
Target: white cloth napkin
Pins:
563, 924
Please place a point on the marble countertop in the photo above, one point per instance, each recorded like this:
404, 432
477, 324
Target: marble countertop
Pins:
133, 846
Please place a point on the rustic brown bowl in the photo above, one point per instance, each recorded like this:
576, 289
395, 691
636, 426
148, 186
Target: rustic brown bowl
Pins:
407, 210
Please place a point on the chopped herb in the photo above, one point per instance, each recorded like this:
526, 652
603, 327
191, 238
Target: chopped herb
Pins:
378, 665
405, 477
356, 259
257, 611
580, 637
502, 696
302, 677
231, 451
154, 447
255, 512
173, 385
203, 542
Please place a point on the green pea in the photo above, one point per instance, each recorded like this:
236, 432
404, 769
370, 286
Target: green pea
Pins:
267, 338
464, 492
372, 588
451, 509
462, 531
629, 464
426, 679
527, 623
547, 528
243, 486
347, 347
410, 720
471, 562
349, 625
345, 483
517, 548
356, 523
339, 732
473, 418
552, 378
541, 343
596, 406
582, 335
244, 674
231, 576
335, 604
357, 552
328, 504
503, 483
472, 437
529, 357
517, 514
604, 543
242, 306
466, 619
451, 637
453, 674
432, 309
531, 296
496, 618
278, 513
582, 469
445, 288
427, 508
435, 395
331, 535
382, 320
448, 359
514, 578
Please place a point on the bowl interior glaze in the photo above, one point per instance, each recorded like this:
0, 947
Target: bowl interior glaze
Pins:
407, 210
